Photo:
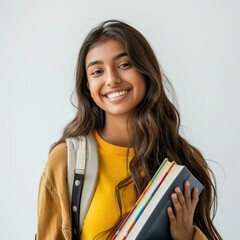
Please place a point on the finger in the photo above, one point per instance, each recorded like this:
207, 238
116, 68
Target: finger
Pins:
177, 206
181, 199
171, 215
187, 194
195, 197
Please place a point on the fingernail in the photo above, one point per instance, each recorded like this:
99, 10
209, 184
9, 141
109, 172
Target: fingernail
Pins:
174, 196
177, 189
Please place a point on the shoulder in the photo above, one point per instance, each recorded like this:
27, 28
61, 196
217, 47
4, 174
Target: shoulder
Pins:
56, 165
58, 154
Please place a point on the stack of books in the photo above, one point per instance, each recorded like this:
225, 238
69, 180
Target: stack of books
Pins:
148, 218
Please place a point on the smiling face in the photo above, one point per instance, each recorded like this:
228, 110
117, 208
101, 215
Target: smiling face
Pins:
115, 85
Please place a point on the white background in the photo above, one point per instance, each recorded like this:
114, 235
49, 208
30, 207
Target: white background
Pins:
197, 44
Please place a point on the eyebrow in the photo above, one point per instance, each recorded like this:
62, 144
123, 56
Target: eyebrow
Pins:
101, 62
120, 55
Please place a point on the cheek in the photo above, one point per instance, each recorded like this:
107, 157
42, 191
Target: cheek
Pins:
94, 88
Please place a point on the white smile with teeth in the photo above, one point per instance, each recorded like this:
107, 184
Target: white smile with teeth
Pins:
116, 94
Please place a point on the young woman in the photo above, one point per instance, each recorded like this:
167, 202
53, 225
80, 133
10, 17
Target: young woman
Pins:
123, 104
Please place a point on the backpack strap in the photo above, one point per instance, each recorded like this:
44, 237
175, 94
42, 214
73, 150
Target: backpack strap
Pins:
78, 186
82, 159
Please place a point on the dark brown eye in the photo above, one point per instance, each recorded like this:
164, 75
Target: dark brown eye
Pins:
97, 72
124, 65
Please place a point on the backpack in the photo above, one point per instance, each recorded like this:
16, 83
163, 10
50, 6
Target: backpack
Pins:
82, 173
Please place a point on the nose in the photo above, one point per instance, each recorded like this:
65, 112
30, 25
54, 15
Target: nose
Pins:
112, 78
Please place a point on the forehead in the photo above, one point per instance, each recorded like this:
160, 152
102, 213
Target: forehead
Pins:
105, 50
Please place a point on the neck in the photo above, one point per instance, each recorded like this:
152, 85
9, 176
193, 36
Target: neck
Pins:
115, 131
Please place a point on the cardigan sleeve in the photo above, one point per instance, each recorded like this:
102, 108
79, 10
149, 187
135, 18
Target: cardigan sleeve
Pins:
53, 208
49, 211
199, 234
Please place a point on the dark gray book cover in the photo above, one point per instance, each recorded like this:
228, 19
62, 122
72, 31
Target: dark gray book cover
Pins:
157, 225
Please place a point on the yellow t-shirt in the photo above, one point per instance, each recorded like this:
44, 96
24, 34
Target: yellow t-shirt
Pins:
103, 211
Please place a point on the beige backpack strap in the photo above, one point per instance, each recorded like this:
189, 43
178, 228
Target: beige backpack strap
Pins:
83, 154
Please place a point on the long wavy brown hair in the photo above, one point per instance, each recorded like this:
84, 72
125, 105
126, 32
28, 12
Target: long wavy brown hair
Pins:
154, 123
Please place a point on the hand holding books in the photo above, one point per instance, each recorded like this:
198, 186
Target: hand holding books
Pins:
148, 218
181, 218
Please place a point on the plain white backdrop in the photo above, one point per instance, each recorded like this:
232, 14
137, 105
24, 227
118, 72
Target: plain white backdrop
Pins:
197, 44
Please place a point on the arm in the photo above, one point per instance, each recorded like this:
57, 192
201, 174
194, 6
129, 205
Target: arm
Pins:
49, 211
53, 204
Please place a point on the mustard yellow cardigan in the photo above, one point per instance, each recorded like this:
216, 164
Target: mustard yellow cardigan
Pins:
54, 221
